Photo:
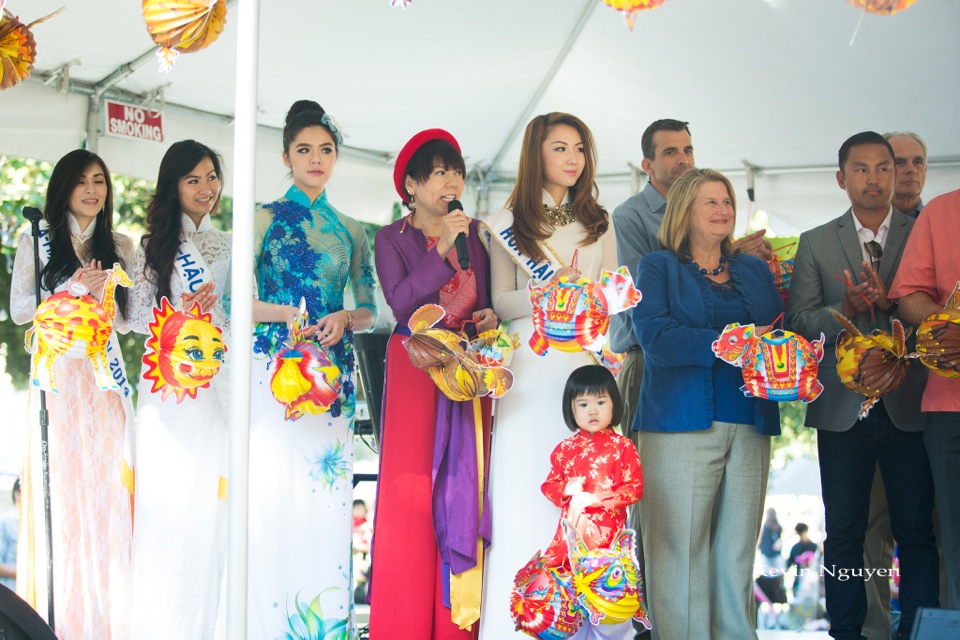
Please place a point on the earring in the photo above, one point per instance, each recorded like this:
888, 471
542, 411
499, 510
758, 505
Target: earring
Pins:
413, 203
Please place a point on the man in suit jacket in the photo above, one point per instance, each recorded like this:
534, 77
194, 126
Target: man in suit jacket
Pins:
868, 239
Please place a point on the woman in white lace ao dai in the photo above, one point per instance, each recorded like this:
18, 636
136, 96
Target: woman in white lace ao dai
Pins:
181, 446
89, 498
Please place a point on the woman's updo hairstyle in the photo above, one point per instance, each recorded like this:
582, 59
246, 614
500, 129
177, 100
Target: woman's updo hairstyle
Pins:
303, 114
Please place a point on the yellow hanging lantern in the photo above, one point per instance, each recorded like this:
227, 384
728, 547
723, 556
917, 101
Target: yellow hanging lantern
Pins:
18, 49
183, 26
882, 7
630, 7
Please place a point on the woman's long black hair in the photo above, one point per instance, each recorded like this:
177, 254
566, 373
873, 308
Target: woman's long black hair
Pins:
63, 259
164, 218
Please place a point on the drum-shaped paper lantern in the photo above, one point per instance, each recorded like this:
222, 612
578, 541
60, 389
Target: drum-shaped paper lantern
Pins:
183, 352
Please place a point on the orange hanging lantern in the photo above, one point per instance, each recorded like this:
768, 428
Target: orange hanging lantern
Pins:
630, 7
183, 26
18, 49
883, 7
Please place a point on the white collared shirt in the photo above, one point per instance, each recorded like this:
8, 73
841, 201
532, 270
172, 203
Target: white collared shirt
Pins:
866, 235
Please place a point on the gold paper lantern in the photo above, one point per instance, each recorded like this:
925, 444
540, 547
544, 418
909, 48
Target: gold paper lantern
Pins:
18, 49
630, 7
183, 26
882, 7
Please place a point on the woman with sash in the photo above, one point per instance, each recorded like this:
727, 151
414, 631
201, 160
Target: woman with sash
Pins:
432, 518
301, 468
90, 489
552, 227
179, 542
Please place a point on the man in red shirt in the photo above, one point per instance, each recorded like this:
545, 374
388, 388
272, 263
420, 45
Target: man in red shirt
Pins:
928, 275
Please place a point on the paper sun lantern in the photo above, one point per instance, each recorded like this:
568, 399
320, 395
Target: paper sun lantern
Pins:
304, 380
630, 7
873, 364
183, 26
575, 315
938, 339
542, 603
606, 581
882, 7
74, 324
779, 365
18, 49
455, 369
184, 351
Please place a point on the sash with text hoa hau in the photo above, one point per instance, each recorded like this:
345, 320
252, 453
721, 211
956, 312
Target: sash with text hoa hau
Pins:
117, 371
191, 266
500, 230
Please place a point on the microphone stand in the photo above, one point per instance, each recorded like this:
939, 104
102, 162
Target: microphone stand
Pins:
34, 215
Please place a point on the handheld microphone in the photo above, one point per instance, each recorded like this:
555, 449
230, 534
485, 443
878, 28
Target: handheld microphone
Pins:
461, 241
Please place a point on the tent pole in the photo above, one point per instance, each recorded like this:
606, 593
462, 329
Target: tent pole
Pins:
494, 166
241, 311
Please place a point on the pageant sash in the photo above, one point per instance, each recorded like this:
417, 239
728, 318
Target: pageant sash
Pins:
500, 230
191, 266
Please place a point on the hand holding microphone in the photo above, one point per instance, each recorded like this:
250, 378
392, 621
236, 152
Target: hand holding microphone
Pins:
461, 241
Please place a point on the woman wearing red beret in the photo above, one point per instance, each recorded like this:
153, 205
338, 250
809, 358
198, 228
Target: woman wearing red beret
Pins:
431, 501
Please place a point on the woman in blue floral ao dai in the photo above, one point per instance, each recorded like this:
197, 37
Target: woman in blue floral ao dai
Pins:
301, 471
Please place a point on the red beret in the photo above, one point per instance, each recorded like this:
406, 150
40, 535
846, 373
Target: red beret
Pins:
412, 146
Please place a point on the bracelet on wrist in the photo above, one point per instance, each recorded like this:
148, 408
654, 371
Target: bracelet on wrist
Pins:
350, 319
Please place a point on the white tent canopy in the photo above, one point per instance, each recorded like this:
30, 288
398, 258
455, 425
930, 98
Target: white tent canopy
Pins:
778, 83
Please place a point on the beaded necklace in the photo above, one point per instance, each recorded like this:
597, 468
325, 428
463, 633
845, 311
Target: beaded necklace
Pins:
559, 216
712, 272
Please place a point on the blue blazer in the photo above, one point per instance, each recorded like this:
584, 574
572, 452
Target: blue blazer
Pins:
672, 324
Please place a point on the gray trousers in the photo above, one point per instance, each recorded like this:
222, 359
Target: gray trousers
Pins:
628, 381
701, 514
942, 439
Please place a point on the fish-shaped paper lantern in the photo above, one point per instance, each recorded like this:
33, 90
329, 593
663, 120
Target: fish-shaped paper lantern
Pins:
873, 364
938, 338
454, 368
574, 315
542, 603
304, 380
779, 365
74, 324
883, 7
606, 581
183, 352
183, 26
18, 49
630, 7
